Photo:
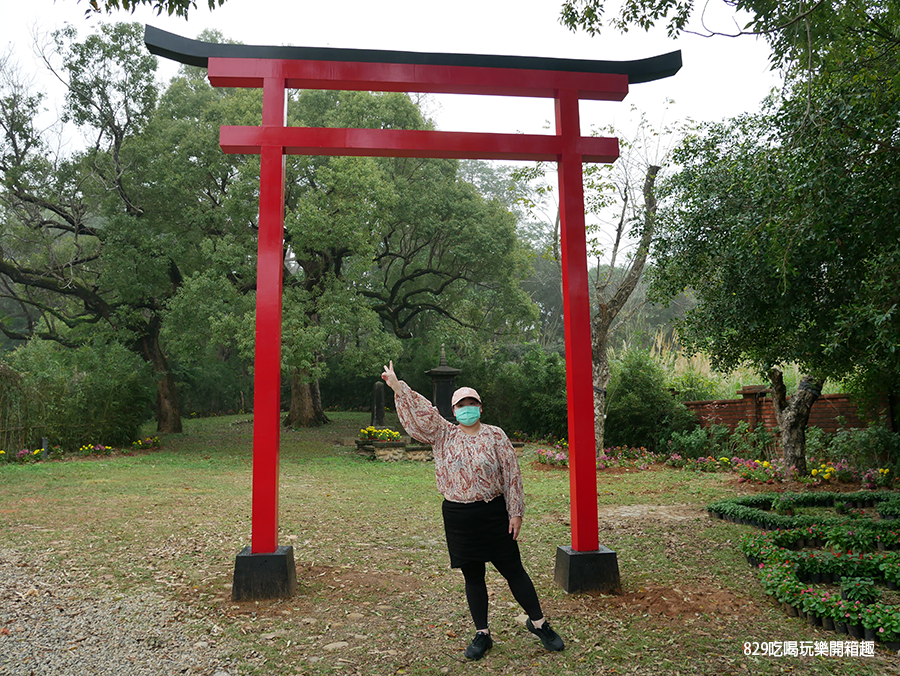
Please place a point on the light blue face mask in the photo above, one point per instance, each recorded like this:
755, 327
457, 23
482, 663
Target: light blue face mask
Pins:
468, 415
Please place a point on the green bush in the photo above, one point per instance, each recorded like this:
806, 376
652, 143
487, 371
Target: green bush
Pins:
92, 394
718, 441
641, 410
523, 385
694, 386
873, 446
818, 442
693, 444
528, 395
751, 444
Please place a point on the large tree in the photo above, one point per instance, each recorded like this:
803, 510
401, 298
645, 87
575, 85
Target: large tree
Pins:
798, 31
97, 241
401, 241
621, 200
784, 221
375, 250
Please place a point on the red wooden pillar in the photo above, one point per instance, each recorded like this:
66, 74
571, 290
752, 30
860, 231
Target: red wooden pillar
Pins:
267, 373
579, 378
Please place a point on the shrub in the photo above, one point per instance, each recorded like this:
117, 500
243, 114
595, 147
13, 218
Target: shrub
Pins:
641, 410
818, 442
873, 446
693, 444
758, 443
693, 385
89, 393
528, 395
717, 441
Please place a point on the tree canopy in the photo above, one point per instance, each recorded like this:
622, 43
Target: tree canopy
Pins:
798, 31
170, 7
783, 222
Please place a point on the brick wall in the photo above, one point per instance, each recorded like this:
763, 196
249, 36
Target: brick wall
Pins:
755, 406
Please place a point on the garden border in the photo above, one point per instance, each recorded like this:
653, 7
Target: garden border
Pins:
786, 571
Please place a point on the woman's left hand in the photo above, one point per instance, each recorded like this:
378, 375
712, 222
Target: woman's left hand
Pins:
515, 525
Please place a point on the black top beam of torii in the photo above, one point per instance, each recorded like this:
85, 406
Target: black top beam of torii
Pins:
197, 53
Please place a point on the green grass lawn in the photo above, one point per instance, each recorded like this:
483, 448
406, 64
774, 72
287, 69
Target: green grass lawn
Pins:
372, 565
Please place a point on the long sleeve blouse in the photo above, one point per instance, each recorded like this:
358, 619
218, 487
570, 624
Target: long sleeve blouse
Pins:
467, 468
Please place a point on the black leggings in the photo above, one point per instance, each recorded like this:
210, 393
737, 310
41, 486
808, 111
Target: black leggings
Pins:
520, 585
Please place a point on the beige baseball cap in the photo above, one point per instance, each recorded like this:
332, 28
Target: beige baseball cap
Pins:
464, 392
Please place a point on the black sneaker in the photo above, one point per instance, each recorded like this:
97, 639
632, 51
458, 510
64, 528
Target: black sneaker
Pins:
479, 646
549, 638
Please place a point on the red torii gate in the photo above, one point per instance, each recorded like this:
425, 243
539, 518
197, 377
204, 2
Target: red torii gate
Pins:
265, 569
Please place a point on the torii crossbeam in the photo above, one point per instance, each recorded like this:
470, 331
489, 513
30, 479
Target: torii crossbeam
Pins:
566, 81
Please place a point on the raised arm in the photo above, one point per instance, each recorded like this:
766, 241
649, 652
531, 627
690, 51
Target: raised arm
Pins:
418, 417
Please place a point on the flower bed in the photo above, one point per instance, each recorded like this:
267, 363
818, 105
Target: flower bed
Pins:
620, 456
795, 557
371, 433
58, 453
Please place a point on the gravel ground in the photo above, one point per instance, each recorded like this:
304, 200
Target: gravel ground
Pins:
50, 624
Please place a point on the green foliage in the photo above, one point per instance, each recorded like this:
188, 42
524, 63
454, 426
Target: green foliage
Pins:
873, 446
523, 387
529, 395
718, 441
19, 412
641, 409
783, 221
692, 385
693, 444
178, 8
99, 393
798, 32
214, 386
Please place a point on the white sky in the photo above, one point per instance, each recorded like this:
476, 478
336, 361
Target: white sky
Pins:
720, 78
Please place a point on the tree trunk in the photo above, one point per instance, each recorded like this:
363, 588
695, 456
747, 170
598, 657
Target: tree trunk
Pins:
793, 416
306, 402
606, 311
168, 410
599, 334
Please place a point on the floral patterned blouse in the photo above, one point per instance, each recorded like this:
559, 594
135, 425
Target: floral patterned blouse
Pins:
468, 468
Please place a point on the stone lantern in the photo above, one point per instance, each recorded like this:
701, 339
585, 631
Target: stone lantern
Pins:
443, 385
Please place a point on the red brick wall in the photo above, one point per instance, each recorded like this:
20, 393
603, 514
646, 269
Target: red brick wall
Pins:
755, 406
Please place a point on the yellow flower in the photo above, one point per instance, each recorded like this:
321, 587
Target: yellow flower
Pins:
766, 464
814, 472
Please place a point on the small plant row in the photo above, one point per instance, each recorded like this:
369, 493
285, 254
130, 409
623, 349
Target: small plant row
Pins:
822, 565
788, 575
774, 511
58, 452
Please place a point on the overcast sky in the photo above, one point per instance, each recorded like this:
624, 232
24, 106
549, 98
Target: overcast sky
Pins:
721, 77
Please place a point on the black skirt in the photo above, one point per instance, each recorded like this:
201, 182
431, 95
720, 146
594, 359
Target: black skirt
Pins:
478, 531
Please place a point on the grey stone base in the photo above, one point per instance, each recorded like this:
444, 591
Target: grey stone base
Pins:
587, 571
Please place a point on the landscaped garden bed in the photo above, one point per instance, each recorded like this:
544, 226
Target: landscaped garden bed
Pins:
839, 571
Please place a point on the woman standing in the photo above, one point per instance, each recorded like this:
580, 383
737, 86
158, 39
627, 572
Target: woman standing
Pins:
478, 474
